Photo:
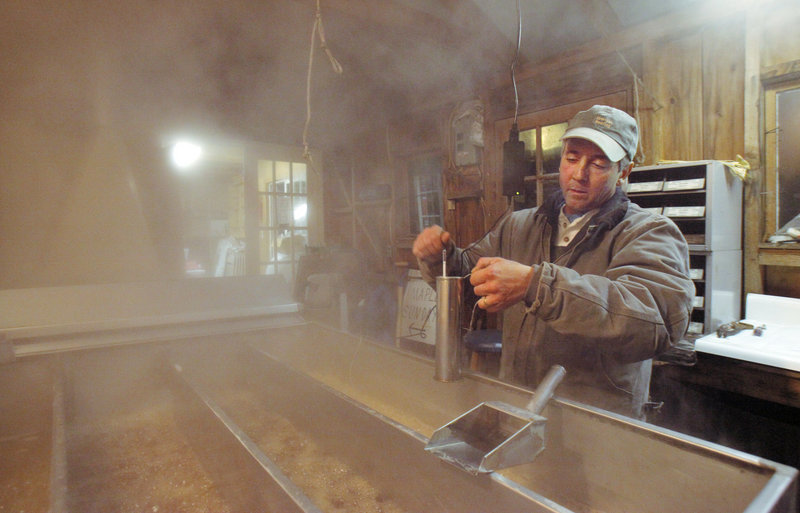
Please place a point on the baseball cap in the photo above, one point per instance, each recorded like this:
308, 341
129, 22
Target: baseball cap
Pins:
613, 130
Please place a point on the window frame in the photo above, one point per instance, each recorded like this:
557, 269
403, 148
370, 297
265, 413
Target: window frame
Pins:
771, 149
434, 172
256, 152
538, 119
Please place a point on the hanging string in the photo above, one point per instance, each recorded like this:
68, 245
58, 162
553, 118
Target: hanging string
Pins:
637, 83
337, 68
642, 156
514, 63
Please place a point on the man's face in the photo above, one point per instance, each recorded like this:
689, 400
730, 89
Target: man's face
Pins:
588, 179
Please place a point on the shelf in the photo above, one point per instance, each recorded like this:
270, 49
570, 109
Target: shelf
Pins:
705, 204
785, 255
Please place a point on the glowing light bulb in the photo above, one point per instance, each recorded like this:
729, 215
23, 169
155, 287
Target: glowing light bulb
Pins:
185, 154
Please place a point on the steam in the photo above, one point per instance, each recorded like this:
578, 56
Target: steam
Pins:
90, 90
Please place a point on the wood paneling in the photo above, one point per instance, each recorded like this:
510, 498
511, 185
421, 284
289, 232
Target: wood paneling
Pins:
780, 39
781, 280
467, 223
691, 17
673, 72
723, 90
569, 85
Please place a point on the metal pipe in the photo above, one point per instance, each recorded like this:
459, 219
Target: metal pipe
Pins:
449, 298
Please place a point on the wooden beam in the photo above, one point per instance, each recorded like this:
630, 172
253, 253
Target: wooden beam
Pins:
781, 72
785, 255
781, 386
753, 216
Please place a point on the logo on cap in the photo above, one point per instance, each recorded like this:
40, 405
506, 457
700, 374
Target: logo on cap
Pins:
603, 121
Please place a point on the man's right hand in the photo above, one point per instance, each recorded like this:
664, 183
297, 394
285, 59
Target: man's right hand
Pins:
429, 244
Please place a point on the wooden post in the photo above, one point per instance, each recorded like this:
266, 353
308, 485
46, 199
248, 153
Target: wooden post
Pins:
753, 275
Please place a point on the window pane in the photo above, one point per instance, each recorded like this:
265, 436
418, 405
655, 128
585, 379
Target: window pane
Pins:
299, 243
300, 211
551, 146
299, 178
285, 246
283, 211
263, 220
266, 246
788, 182
283, 172
529, 138
264, 174
426, 193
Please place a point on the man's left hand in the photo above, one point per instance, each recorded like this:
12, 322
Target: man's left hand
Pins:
501, 282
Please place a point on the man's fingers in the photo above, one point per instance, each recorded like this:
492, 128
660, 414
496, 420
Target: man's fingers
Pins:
480, 273
502, 282
488, 303
430, 243
482, 263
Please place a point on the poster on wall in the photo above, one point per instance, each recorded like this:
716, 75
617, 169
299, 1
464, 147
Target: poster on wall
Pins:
418, 313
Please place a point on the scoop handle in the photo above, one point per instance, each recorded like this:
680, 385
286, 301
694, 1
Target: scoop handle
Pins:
546, 388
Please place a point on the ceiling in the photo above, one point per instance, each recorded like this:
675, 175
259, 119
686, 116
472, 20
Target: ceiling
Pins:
241, 67
398, 53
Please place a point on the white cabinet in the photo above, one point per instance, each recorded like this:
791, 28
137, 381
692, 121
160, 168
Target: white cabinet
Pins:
705, 201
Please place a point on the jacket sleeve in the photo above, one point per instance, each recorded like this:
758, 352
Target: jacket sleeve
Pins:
638, 308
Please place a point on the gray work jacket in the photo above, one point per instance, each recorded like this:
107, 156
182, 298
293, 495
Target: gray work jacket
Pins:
618, 296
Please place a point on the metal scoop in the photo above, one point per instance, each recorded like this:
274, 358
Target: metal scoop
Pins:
496, 435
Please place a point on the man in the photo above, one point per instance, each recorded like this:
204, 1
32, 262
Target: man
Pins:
588, 280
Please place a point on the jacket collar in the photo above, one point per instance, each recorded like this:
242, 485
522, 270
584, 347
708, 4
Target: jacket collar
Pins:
608, 216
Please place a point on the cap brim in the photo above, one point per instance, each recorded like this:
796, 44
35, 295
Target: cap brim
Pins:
610, 147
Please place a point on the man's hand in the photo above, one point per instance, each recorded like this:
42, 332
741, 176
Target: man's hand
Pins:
429, 244
501, 282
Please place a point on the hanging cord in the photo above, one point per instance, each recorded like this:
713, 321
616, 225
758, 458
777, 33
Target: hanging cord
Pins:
642, 156
337, 68
514, 63
639, 81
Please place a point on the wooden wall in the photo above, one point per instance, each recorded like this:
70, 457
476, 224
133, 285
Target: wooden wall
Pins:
773, 57
694, 102
700, 97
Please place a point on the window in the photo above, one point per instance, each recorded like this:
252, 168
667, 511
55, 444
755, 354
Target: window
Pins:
783, 155
425, 184
211, 189
283, 220
543, 151
541, 132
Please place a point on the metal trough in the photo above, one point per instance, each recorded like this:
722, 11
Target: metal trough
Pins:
594, 460
284, 419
